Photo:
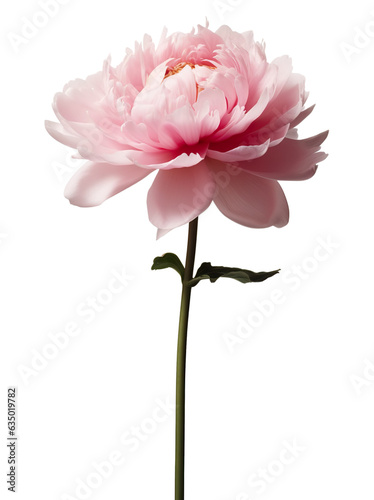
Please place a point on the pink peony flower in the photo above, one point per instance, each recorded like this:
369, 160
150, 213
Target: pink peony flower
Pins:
205, 109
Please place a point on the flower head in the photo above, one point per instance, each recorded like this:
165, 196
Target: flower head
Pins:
208, 111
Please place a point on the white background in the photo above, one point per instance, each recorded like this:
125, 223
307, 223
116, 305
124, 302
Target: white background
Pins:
304, 375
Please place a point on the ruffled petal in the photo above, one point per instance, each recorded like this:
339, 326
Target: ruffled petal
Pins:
291, 160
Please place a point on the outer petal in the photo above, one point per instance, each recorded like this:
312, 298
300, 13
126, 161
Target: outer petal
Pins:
253, 201
162, 232
303, 114
291, 160
179, 195
240, 153
163, 159
57, 131
292, 131
96, 182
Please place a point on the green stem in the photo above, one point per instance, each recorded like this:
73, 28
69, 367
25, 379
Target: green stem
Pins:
181, 362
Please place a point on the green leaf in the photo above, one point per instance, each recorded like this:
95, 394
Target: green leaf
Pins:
169, 260
207, 271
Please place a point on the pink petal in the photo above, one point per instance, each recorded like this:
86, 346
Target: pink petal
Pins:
276, 129
170, 159
284, 66
303, 114
285, 107
182, 83
240, 153
72, 109
210, 100
96, 182
58, 132
252, 201
291, 160
239, 121
225, 81
181, 127
209, 108
179, 195
161, 233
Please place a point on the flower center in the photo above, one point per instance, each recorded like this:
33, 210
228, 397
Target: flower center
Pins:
178, 68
